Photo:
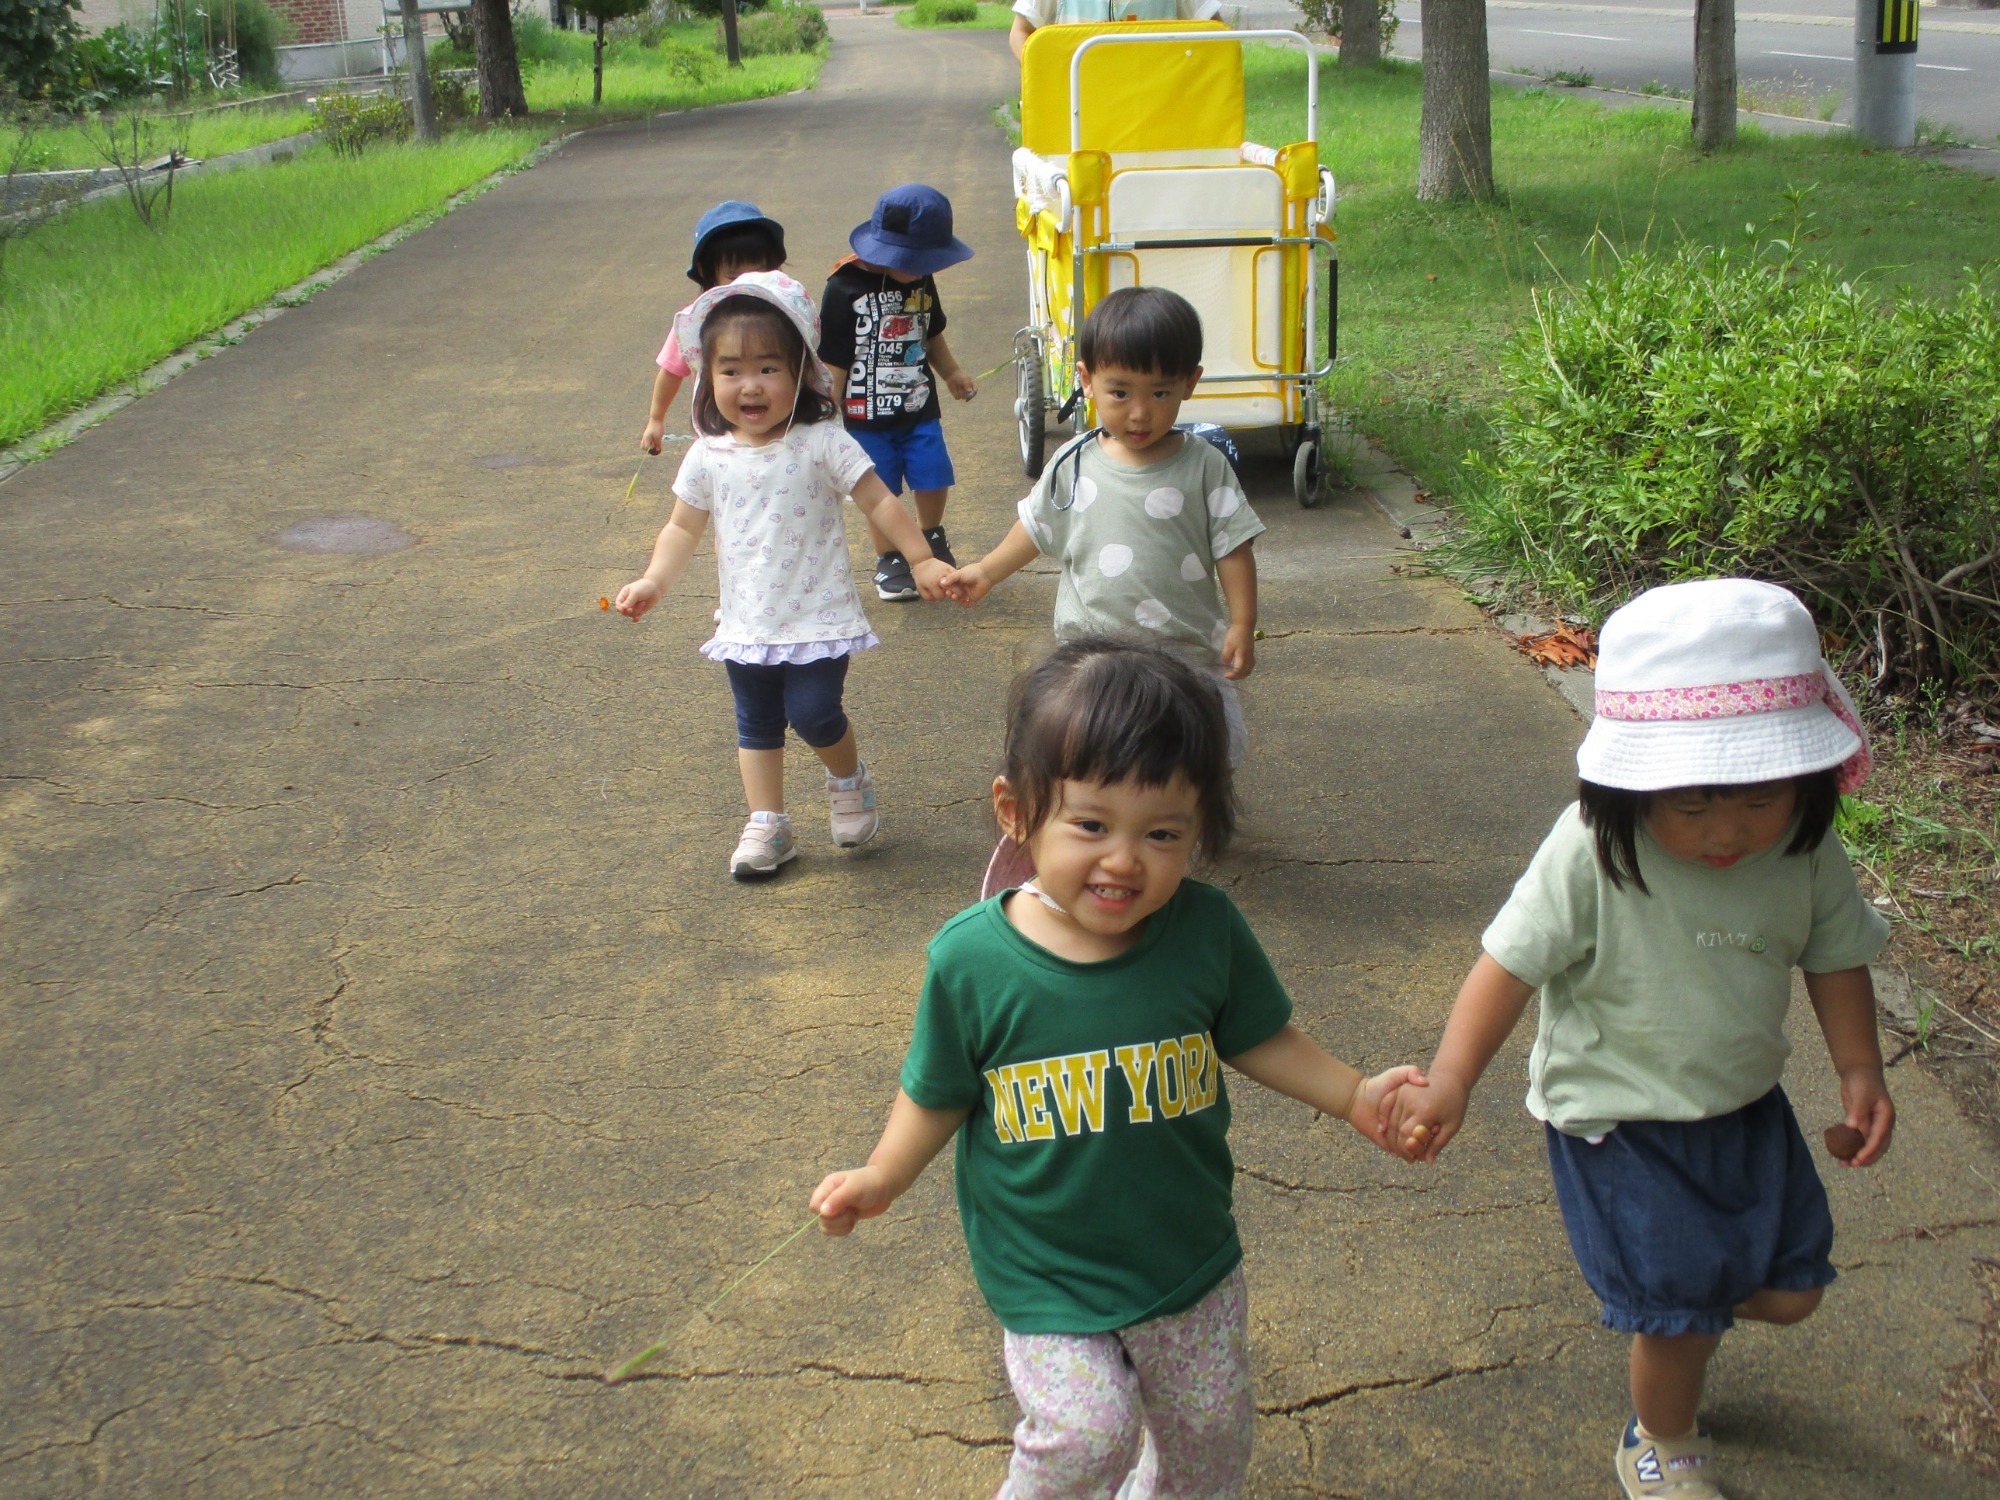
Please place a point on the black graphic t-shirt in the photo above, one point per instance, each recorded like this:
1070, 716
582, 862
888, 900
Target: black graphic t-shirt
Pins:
878, 330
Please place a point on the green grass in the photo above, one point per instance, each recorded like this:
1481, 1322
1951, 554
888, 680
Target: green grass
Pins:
633, 84
92, 298
1430, 292
209, 134
991, 18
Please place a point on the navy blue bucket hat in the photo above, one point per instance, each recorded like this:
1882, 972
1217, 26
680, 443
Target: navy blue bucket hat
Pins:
910, 231
731, 215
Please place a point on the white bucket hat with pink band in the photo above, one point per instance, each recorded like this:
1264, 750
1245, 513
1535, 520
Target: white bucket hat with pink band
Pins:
1717, 683
783, 293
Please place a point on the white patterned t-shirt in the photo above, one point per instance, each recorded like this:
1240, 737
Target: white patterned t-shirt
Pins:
787, 583
1138, 545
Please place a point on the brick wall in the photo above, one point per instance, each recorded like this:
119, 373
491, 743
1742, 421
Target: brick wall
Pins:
314, 20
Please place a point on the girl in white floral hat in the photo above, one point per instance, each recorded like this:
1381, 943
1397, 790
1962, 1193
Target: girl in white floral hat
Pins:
1660, 923
771, 466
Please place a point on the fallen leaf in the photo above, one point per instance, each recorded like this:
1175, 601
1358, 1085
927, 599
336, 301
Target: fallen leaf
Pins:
1566, 646
604, 604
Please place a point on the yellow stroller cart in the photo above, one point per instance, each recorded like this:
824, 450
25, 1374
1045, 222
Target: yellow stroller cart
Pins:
1133, 170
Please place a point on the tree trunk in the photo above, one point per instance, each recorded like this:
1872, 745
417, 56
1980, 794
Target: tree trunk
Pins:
1714, 73
1360, 33
500, 91
596, 65
1455, 138
729, 42
423, 109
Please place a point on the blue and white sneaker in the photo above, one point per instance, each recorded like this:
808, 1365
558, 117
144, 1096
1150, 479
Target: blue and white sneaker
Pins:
766, 844
850, 804
893, 579
1653, 1468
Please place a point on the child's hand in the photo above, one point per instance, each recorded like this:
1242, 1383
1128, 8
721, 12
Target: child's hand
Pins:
963, 386
1239, 652
1421, 1120
930, 575
638, 596
655, 431
1869, 1110
968, 585
842, 1199
1374, 1101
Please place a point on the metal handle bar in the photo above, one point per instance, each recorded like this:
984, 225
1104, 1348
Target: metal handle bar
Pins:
1076, 66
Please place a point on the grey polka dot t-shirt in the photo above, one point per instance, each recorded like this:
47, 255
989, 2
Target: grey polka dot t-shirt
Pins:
1138, 546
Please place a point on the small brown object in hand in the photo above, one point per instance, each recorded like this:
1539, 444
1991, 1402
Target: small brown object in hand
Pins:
1844, 1142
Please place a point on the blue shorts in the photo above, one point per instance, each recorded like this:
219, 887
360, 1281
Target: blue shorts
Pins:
1673, 1223
915, 453
805, 695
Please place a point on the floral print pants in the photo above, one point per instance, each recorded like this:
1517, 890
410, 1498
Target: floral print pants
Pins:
1157, 1411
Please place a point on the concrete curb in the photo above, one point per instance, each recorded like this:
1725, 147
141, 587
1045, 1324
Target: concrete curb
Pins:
1395, 494
57, 434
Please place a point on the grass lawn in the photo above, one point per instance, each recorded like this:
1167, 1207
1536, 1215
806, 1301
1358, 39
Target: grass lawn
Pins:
210, 133
1430, 291
92, 298
991, 18
639, 80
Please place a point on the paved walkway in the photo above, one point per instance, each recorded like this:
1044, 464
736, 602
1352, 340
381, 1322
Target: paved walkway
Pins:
383, 1052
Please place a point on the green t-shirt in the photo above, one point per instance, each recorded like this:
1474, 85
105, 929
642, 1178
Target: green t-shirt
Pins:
1138, 546
1670, 1006
1094, 1175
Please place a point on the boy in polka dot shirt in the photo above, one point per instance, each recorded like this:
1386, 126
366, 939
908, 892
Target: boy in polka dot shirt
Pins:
1146, 520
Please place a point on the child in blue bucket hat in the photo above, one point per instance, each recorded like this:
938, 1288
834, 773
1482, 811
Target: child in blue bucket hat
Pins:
731, 238
882, 335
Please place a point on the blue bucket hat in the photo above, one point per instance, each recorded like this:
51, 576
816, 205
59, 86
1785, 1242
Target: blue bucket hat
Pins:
910, 231
728, 216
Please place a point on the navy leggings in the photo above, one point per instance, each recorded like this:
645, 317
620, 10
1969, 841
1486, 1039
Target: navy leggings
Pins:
806, 696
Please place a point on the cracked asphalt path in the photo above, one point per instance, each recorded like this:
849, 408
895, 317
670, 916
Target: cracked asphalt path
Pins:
383, 1052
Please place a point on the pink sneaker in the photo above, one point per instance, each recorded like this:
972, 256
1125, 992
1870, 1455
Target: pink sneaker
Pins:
850, 802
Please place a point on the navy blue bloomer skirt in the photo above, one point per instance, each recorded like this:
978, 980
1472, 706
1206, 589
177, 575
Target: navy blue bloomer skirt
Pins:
1675, 1222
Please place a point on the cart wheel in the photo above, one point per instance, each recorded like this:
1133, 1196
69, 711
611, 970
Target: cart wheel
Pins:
1308, 477
1031, 411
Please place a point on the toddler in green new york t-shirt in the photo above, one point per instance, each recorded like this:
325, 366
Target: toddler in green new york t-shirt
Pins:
1072, 1034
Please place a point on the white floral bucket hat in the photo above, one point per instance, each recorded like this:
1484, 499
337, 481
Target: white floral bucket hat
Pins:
783, 293
1717, 683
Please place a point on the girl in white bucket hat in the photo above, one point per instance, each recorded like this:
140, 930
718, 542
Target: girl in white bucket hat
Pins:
1660, 922
771, 466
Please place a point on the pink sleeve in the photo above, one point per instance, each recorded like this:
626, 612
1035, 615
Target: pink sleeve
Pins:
670, 357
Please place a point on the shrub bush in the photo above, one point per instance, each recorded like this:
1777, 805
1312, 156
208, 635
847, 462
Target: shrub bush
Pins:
1323, 16
945, 12
689, 64
788, 26
260, 32
350, 123
1707, 413
119, 63
35, 41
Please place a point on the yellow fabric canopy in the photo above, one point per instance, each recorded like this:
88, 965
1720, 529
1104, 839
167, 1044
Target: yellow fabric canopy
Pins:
1153, 96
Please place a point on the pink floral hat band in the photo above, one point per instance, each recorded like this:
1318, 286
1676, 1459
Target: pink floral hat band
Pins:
1756, 695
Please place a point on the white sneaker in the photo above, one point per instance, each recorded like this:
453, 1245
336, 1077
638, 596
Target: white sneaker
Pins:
766, 844
850, 803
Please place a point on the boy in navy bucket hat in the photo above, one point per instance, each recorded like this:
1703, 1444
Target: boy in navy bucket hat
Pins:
882, 335
731, 238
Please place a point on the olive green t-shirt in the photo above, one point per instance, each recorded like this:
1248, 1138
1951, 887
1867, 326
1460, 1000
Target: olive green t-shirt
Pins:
1670, 1006
1094, 1175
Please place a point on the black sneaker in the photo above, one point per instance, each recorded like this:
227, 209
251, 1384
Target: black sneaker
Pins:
893, 580
940, 546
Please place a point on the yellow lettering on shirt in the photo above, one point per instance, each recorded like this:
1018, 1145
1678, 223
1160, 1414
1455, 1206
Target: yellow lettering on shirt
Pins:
1077, 1081
1200, 1065
1171, 1085
1006, 1117
1136, 1062
1036, 1108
